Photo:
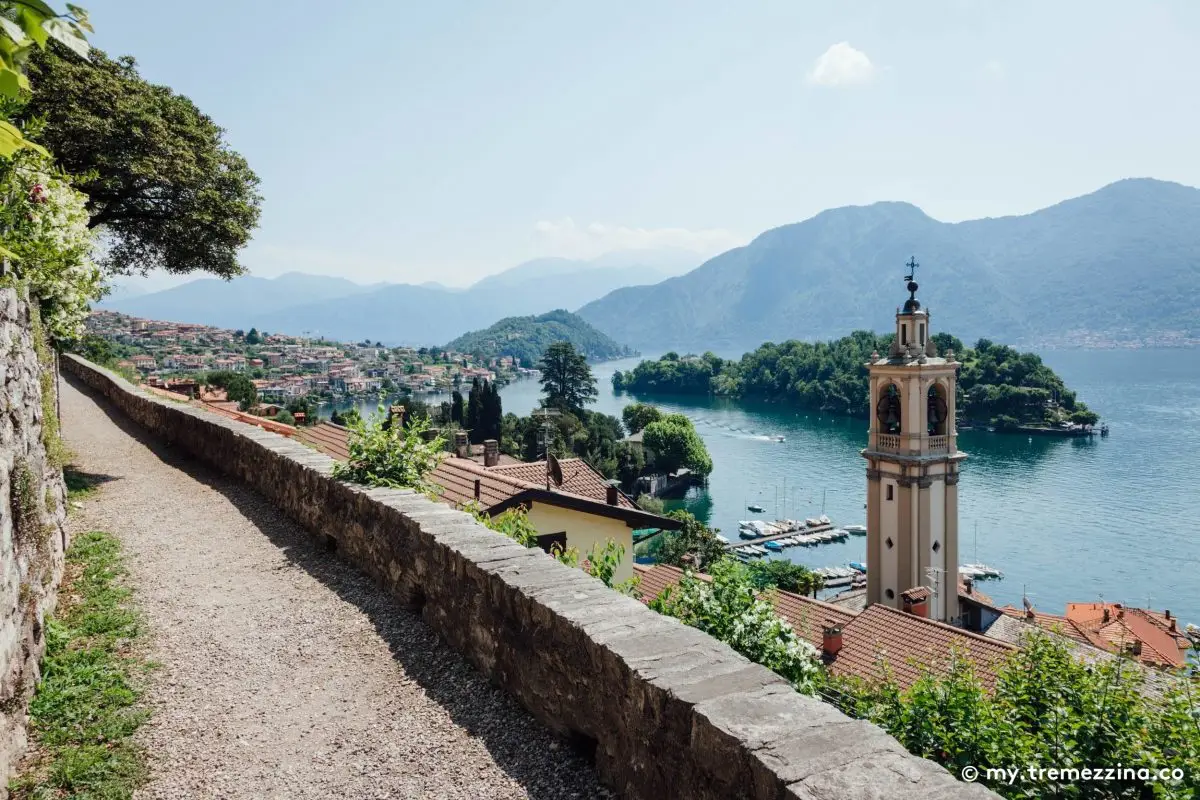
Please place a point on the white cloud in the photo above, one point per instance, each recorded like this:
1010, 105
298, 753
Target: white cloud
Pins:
842, 65
567, 238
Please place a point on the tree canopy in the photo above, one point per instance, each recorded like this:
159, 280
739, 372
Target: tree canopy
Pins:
162, 184
675, 444
995, 381
566, 378
637, 416
695, 545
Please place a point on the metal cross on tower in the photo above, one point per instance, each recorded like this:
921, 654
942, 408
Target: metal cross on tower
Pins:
912, 269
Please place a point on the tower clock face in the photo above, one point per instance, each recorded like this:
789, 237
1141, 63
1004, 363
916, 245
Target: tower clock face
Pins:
887, 410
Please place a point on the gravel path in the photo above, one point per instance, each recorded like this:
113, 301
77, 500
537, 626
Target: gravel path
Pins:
284, 673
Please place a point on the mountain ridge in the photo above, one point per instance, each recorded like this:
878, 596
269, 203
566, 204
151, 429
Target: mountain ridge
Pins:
1122, 260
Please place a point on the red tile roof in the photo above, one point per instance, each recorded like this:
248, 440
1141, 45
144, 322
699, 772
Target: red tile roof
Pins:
578, 478
1054, 623
326, 437
1116, 627
907, 644
457, 477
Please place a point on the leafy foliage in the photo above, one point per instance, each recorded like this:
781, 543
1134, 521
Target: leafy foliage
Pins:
527, 338
831, 377
674, 442
590, 435
695, 545
243, 390
566, 380
637, 416
160, 180
779, 574
729, 608
1048, 708
385, 455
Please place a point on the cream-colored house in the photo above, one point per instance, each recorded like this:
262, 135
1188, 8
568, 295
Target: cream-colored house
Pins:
583, 511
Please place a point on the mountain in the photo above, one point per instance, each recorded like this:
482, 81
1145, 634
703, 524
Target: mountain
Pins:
238, 303
394, 313
1120, 263
527, 338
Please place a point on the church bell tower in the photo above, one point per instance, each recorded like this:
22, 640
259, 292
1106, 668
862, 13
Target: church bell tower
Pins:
912, 466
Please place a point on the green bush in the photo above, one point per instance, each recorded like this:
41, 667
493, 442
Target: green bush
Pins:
393, 456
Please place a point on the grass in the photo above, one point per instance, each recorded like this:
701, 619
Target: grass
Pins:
86, 709
80, 485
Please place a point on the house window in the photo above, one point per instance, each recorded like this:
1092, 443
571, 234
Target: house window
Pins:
890, 490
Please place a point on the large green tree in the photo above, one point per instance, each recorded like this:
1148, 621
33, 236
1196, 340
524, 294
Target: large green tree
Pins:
694, 545
674, 442
638, 415
566, 378
162, 183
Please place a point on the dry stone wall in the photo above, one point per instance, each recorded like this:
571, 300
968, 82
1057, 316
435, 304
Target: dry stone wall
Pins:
32, 499
668, 711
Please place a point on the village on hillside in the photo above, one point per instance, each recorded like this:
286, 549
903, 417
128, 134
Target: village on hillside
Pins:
284, 368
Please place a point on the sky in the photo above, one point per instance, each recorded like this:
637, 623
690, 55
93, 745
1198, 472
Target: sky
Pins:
445, 141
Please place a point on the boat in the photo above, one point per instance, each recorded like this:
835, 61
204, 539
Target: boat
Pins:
981, 571
824, 520
839, 533
757, 509
780, 439
773, 546
748, 533
812, 523
856, 530
858, 565
722, 539
758, 550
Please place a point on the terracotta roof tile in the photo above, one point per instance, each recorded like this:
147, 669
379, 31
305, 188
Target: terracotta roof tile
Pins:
907, 644
578, 478
457, 476
330, 439
1054, 623
1160, 646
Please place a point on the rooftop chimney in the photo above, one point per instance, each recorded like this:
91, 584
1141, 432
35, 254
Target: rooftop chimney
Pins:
916, 601
477, 487
1167, 613
491, 452
461, 445
611, 495
831, 639
396, 415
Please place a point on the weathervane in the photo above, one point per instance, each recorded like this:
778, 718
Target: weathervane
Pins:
911, 304
912, 270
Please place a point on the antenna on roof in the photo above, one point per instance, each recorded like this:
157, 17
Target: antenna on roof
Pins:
553, 471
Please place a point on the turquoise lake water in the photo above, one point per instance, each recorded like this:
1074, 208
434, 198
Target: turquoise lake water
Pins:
1067, 519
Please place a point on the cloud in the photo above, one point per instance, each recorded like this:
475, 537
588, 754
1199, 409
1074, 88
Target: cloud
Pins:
567, 238
842, 65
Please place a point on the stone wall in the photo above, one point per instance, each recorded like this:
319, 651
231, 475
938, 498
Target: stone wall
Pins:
32, 538
668, 711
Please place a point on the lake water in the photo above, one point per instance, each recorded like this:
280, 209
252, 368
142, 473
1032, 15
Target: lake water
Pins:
1065, 519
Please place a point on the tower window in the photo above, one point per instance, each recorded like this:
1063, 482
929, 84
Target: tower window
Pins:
890, 594
889, 543
904, 334
936, 411
887, 410
890, 490
922, 333
937, 546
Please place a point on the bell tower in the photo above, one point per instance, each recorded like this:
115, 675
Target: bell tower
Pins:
912, 466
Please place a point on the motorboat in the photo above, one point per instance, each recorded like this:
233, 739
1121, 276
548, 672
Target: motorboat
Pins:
856, 530
773, 546
858, 565
812, 523
981, 571
824, 520
722, 539
757, 509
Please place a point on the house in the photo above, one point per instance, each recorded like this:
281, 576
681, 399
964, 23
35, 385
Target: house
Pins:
583, 511
143, 363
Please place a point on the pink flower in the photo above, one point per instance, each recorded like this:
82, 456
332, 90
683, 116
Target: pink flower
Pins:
38, 194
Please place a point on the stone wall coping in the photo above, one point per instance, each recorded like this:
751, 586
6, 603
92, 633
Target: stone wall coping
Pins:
671, 711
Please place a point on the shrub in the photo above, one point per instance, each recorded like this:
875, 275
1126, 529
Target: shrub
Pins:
393, 456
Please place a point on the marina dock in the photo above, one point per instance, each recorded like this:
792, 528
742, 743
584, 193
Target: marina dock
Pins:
781, 535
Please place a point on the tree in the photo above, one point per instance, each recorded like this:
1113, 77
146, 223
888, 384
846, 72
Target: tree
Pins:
694, 545
253, 337
456, 407
630, 464
161, 181
675, 444
638, 415
471, 419
566, 380
285, 417
1084, 417
242, 389
786, 576
491, 412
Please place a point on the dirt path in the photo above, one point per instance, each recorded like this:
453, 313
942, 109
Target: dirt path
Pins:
285, 674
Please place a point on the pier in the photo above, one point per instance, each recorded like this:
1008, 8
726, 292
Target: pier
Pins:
781, 535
